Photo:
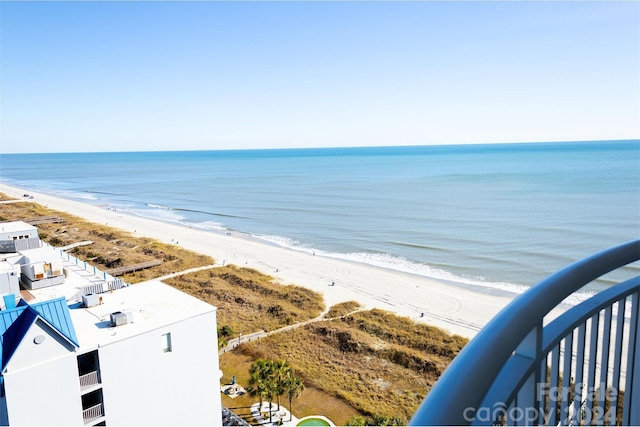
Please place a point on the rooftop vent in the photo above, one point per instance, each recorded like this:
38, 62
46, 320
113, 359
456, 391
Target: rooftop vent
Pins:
121, 318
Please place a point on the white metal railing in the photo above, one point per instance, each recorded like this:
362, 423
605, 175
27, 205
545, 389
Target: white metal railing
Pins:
86, 266
96, 288
582, 368
92, 413
116, 284
89, 380
101, 280
101, 287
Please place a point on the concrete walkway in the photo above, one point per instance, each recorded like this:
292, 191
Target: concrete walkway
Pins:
235, 342
261, 415
191, 270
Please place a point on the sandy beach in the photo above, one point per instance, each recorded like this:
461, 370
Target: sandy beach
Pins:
460, 310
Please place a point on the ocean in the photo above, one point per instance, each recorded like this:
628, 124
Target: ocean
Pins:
503, 216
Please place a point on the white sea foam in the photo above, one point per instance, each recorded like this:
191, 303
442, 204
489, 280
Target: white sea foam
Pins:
151, 205
403, 265
68, 194
157, 214
209, 225
283, 241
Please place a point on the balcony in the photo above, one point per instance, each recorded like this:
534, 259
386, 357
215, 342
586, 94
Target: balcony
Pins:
92, 413
582, 368
89, 380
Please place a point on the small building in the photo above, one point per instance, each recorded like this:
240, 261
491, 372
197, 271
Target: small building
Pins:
41, 268
16, 236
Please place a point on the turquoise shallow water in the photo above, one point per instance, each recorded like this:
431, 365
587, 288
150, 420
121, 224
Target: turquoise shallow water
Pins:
503, 215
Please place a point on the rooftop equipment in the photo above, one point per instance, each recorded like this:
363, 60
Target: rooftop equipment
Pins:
121, 318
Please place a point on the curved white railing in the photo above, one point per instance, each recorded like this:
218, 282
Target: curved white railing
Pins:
583, 368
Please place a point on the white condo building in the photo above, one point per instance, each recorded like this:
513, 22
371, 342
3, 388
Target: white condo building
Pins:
78, 347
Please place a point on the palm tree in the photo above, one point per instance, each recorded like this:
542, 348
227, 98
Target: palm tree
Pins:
257, 378
270, 389
293, 386
281, 371
262, 379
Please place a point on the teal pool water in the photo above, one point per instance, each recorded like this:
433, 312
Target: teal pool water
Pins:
313, 421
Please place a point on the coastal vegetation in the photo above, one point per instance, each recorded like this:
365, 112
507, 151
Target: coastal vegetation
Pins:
249, 301
342, 309
110, 247
357, 366
269, 379
381, 364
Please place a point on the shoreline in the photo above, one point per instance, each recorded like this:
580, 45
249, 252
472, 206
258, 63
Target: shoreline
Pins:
454, 307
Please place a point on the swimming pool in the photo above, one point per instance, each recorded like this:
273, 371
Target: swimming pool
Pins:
314, 420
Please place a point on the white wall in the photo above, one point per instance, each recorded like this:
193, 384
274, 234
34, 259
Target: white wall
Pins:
29, 353
143, 385
9, 283
46, 394
41, 380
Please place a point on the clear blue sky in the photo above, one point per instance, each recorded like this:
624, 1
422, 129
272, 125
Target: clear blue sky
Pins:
119, 76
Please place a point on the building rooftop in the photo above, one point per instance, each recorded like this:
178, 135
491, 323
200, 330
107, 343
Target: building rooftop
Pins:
150, 305
14, 226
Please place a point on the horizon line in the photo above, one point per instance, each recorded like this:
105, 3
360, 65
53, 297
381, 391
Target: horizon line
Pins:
332, 147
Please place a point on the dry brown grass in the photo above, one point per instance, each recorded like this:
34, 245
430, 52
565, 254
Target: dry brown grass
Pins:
111, 247
248, 300
342, 309
360, 361
6, 197
311, 402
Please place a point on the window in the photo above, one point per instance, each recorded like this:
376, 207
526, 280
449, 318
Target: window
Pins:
166, 342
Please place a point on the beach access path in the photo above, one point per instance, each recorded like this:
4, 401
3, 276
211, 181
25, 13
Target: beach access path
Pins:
462, 310
242, 338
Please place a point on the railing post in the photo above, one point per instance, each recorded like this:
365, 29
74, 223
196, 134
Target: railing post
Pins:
604, 364
632, 392
592, 365
576, 406
567, 374
617, 362
528, 396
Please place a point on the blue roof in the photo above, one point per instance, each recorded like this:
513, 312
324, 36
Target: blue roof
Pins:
57, 313
15, 322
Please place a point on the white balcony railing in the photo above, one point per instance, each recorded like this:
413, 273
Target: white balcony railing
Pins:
89, 380
92, 413
582, 368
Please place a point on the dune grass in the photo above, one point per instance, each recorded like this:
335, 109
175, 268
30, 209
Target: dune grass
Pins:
377, 362
111, 247
249, 301
342, 309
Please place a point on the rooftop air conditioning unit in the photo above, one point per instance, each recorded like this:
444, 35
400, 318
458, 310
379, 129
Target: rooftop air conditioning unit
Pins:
121, 318
90, 300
